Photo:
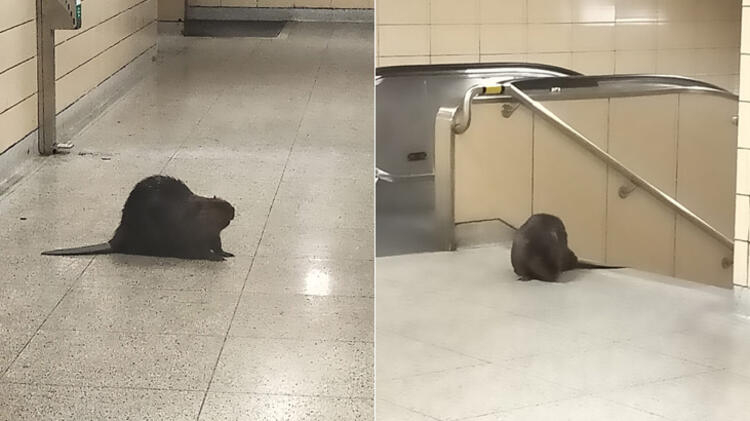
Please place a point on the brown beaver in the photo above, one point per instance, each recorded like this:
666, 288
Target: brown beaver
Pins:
540, 250
162, 217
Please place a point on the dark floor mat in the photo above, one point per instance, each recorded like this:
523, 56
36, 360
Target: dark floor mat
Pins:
233, 28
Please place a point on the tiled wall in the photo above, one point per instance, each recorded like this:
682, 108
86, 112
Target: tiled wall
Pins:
742, 204
689, 37
171, 10
113, 34
18, 105
335, 4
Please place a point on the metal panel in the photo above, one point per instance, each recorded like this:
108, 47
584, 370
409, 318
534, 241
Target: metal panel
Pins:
51, 15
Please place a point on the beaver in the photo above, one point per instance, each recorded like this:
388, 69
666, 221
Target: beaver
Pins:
540, 250
162, 217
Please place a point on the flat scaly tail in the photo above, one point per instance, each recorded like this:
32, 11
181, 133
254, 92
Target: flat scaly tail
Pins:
103, 248
585, 264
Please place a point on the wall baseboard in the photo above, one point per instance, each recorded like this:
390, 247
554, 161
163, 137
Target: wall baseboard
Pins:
281, 14
23, 158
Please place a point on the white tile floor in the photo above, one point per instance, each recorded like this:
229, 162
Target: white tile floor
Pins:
458, 338
283, 130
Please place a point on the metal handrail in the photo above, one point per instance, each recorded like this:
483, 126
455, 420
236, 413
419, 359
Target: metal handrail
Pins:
472, 69
460, 121
554, 88
600, 153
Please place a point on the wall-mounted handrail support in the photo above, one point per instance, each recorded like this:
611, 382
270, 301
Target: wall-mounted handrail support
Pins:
51, 15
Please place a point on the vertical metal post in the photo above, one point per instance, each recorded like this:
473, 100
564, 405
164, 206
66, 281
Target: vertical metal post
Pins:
51, 15
45, 47
445, 220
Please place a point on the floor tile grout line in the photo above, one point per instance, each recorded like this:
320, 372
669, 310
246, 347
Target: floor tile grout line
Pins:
279, 294
411, 410
220, 291
166, 389
198, 335
103, 387
534, 405
444, 348
634, 407
263, 231
39, 328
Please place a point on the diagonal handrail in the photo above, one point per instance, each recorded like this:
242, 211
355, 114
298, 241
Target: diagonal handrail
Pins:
459, 120
600, 153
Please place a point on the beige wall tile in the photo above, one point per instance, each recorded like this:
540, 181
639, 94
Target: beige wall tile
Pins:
721, 10
742, 212
238, 3
642, 34
743, 171
550, 38
676, 62
16, 13
715, 61
675, 35
400, 12
593, 37
403, 61
633, 62
171, 10
740, 263
506, 11
76, 84
553, 59
591, 11
744, 125
404, 40
503, 39
312, 3
17, 84
717, 34
446, 12
455, 59
745, 79
635, 36
18, 122
454, 39
678, 10
352, 4
550, 11
17, 45
508, 58
594, 63
275, 3
636, 11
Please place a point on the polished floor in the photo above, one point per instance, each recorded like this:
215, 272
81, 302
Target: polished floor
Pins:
281, 128
459, 338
